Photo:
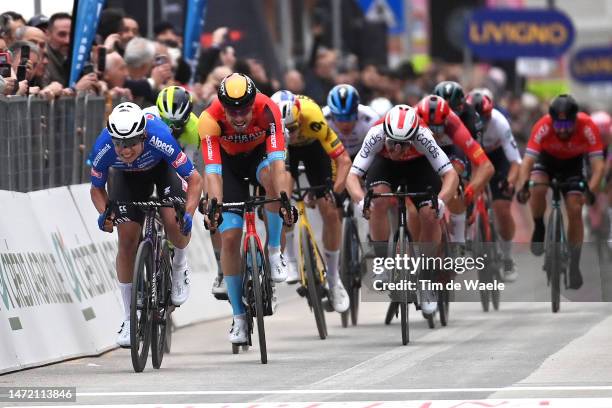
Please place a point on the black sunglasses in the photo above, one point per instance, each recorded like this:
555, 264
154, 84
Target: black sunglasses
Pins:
127, 143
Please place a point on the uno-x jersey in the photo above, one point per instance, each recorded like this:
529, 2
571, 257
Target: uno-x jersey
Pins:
584, 140
313, 127
366, 118
159, 145
217, 133
423, 144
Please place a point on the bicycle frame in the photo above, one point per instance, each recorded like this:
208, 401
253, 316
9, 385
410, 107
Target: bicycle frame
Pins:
304, 226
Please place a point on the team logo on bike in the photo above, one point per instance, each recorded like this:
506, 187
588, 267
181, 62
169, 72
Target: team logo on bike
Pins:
180, 160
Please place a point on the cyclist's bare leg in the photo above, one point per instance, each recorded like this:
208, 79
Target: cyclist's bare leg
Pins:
456, 229
332, 236
379, 222
129, 238
431, 231
537, 201
230, 263
504, 220
575, 228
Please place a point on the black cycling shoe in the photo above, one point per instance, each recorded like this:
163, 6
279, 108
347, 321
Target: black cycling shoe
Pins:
575, 278
537, 239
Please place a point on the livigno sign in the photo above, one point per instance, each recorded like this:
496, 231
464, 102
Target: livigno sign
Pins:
510, 33
592, 65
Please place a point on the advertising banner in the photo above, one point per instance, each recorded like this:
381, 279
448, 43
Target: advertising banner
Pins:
592, 65
84, 26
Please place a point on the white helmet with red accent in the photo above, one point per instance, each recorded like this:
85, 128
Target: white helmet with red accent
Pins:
401, 123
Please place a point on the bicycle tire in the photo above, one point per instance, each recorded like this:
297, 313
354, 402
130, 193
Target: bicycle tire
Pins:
257, 276
161, 312
140, 324
483, 274
403, 304
495, 255
443, 306
345, 264
350, 269
555, 262
313, 284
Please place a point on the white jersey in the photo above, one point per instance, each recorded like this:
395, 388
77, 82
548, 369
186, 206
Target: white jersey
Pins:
366, 117
499, 134
423, 144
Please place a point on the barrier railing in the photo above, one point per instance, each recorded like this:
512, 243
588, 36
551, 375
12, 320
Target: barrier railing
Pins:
45, 144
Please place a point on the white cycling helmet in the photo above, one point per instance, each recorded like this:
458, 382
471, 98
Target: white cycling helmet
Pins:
126, 121
289, 106
381, 106
401, 123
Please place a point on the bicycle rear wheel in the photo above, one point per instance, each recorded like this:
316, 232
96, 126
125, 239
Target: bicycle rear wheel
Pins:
555, 262
141, 308
480, 250
312, 283
403, 304
350, 271
257, 276
161, 312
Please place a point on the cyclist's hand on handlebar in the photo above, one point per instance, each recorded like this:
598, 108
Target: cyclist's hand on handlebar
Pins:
468, 194
506, 188
186, 224
105, 221
523, 194
365, 212
441, 210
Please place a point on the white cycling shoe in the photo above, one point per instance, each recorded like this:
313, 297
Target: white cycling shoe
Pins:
293, 275
238, 331
429, 304
180, 284
123, 339
278, 267
339, 298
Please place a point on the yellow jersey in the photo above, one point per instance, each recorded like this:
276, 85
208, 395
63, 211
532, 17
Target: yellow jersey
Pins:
313, 127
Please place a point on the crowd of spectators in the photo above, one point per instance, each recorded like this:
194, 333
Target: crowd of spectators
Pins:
136, 68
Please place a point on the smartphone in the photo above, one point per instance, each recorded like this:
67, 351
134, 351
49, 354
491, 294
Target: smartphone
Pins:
21, 72
5, 70
160, 60
88, 68
25, 54
101, 60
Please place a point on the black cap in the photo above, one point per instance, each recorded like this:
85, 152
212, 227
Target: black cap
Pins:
39, 21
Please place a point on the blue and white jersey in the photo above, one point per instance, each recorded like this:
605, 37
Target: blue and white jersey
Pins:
159, 145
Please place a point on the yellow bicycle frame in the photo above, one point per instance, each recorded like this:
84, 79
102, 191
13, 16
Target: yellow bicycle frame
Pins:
306, 229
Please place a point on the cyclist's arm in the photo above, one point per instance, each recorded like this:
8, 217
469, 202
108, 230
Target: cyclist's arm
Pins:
335, 150
343, 166
372, 145
595, 150
99, 198
275, 145
194, 191
103, 155
534, 147
598, 169
209, 130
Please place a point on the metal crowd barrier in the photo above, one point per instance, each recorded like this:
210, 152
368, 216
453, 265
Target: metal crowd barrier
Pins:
45, 144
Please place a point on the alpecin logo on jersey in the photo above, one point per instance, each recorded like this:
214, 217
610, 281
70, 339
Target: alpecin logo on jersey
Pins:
180, 160
241, 138
161, 145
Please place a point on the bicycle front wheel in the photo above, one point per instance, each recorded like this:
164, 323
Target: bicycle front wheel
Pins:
555, 261
312, 283
141, 309
257, 277
161, 313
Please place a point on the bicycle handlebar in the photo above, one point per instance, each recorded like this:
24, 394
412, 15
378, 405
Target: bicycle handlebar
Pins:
430, 194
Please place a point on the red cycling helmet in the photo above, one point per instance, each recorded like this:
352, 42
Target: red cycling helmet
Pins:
433, 110
482, 103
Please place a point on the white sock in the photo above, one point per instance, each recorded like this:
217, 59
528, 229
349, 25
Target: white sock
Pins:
290, 245
126, 295
457, 227
180, 256
331, 259
506, 248
273, 250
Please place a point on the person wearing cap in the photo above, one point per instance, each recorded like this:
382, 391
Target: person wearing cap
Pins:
39, 21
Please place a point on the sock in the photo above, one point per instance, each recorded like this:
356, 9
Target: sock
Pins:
575, 251
275, 226
126, 295
180, 256
234, 292
457, 230
290, 245
506, 248
331, 259
539, 222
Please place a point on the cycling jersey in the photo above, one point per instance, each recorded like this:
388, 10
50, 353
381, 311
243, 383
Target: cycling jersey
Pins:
499, 134
472, 121
217, 133
585, 139
423, 144
189, 139
159, 144
313, 127
456, 134
366, 118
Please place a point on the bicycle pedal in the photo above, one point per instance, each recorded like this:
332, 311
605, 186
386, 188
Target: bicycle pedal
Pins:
302, 291
221, 296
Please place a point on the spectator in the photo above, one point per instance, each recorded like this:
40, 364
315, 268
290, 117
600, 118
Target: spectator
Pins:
9, 23
219, 53
208, 90
115, 76
58, 47
35, 58
294, 81
166, 34
129, 29
139, 57
109, 29
39, 21
320, 80
38, 37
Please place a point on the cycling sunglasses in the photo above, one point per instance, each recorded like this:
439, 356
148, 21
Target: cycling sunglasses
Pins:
392, 145
127, 143
239, 111
561, 125
293, 127
344, 118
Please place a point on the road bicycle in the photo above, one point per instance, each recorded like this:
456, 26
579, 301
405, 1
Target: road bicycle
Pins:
351, 258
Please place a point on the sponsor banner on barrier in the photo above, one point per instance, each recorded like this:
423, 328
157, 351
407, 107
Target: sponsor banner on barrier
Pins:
510, 33
592, 65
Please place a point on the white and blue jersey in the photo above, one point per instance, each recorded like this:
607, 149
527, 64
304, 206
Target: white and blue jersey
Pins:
159, 145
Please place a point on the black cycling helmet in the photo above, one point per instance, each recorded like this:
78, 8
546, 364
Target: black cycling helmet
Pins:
237, 91
452, 92
563, 107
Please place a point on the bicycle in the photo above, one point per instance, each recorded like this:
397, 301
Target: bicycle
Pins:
351, 263
400, 244
485, 244
556, 251
151, 306
313, 271
256, 280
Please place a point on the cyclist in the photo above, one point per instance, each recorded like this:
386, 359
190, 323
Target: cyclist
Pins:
455, 140
499, 144
397, 151
348, 118
134, 154
242, 135
453, 93
603, 121
556, 147
314, 143
174, 106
